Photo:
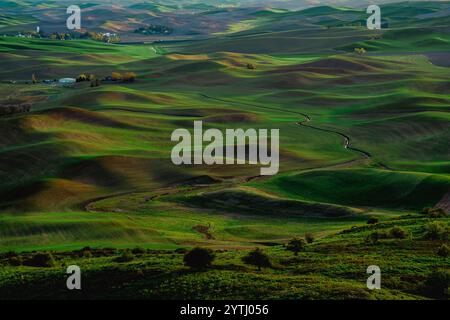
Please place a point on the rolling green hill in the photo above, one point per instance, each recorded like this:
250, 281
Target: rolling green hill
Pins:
361, 136
363, 187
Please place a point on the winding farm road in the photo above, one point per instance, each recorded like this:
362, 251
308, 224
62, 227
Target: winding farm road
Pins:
305, 123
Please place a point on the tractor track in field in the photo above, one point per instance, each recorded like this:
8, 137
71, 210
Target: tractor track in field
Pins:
304, 123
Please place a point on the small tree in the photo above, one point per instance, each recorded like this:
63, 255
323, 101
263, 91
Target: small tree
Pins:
443, 251
138, 251
436, 284
372, 220
199, 258
296, 245
82, 77
257, 258
251, 66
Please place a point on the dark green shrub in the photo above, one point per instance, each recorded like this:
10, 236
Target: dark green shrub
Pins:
296, 245
257, 258
41, 259
10, 254
436, 230
372, 220
181, 250
436, 284
199, 258
398, 233
15, 261
309, 237
375, 236
434, 212
126, 256
138, 251
86, 254
437, 213
443, 251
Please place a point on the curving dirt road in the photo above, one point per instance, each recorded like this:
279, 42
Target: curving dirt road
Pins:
347, 140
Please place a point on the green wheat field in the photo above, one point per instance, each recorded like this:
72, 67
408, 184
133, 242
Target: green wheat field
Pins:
86, 176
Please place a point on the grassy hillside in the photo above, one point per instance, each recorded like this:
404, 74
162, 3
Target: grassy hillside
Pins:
361, 136
363, 187
85, 143
333, 267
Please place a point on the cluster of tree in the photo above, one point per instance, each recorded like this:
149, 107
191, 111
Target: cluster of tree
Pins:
115, 76
394, 233
360, 50
95, 82
125, 77
30, 34
97, 36
61, 36
103, 37
297, 245
39, 259
434, 230
201, 258
83, 77
154, 29
14, 108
